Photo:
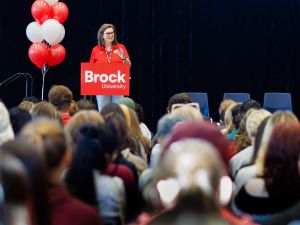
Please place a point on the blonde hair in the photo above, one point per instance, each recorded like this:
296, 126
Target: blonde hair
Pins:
188, 113
45, 109
278, 117
228, 119
49, 137
225, 104
255, 117
133, 125
80, 118
26, 105
241, 138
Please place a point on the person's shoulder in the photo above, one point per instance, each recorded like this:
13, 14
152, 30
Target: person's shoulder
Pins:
97, 48
119, 45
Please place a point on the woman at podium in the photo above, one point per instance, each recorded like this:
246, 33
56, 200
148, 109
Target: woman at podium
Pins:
108, 50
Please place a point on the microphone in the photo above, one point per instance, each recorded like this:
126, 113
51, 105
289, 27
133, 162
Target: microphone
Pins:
122, 55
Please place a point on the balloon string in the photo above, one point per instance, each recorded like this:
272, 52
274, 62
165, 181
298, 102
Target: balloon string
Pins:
44, 71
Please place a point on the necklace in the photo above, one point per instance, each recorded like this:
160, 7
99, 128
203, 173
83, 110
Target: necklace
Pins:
108, 56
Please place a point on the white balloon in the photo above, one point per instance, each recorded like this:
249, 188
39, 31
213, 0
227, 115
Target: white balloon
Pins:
62, 35
51, 2
51, 31
33, 32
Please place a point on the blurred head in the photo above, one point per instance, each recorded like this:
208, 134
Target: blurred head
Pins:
258, 137
279, 117
188, 112
29, 186
86, 104
6, 131
79, 119
18, 117
250, 104
112, 108
26, 105
73, 108
178, 98
121, 126
88, 156
281, 162
166, 124
128, 102
191, 172
49, 136
255, 117
32, 99
45, 110
201, 130
139, 112
60, 96
223, 107
232, 117
134, 129
14, 192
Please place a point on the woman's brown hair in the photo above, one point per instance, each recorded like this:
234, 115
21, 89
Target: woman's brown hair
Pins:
101, 33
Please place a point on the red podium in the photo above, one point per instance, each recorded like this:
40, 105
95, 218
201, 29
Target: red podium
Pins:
104, 79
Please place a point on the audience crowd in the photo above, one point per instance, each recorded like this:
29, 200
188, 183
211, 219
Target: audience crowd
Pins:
65, 162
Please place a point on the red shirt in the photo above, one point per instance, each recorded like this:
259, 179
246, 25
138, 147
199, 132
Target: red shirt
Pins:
122, 172
67, 210
100, 55
65, 118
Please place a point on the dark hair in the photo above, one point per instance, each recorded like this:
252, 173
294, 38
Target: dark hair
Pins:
101, 33
178, 98
250, 104
258, 138
34, 164
87, 157
85, 104
236, 115
112, 107
60, 96
18, 118
123, 131
139, 112
109, 137
32, 99
281, 164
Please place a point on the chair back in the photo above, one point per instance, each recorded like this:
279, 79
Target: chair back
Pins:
202, 99
277, 101
237, 97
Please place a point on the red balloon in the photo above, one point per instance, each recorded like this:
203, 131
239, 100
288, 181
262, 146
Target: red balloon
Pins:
38, 54
59, 12
57, 54
41, 11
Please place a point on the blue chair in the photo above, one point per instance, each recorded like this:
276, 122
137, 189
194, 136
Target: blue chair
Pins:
277, 101
202, 99
238, 97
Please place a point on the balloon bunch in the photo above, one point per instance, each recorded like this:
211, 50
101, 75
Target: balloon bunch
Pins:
46, 32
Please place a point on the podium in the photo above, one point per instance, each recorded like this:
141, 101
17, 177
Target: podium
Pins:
104, 79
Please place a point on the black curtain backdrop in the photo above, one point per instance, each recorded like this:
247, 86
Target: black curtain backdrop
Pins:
212, 46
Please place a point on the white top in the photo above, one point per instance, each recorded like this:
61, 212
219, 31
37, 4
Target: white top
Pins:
240, 159
110, 195
243, 175
155, 153
145, 131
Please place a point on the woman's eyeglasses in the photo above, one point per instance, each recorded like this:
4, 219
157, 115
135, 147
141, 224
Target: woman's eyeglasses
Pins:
109, 33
